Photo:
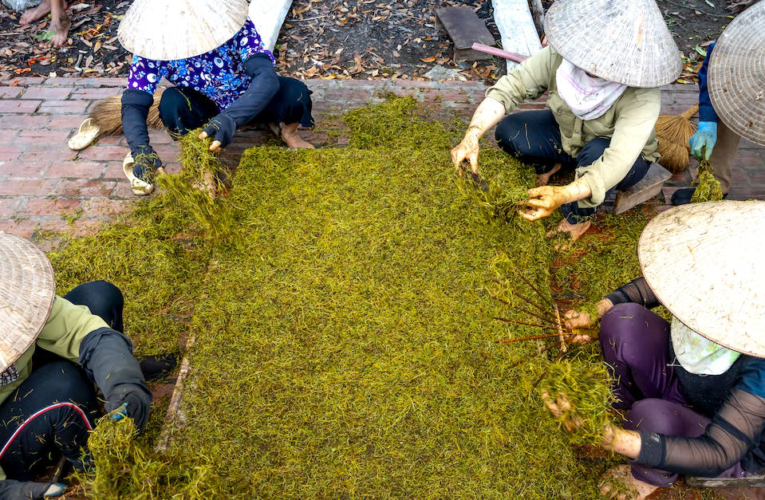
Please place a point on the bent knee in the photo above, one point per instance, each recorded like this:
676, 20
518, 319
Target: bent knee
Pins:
172, 100
662, 417
619, 322
507, 133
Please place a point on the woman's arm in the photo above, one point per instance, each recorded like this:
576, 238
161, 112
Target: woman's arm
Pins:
527, 81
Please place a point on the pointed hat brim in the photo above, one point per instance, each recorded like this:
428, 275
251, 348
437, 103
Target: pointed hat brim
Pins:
168, 30
703, 263
623, 41
27, 290
737, 75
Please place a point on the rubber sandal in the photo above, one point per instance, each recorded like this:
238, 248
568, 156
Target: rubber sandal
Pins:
139, 187
85, 136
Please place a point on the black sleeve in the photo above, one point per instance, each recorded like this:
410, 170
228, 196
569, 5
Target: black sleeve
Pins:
107, 357
19, 490
135, 109
734, 430
636, 292
263, 88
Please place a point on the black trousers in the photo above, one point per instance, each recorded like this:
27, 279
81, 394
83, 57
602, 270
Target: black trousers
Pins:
52, 411
534, 137
183, 109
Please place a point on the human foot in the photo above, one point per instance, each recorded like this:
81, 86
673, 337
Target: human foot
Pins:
620, 484
292, 138
574, 231
35, 13
544, 179
61, 27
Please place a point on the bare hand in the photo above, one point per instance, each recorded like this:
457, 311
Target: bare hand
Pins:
544, 201
467, 150
215, 146
561, 410
575, 320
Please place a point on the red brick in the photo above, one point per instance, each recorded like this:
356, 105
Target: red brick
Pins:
24, 169
50, 206
84, 188
9, 206
10, 92
105, 207
19, 106
160, 137
95, 94
63, 107
43, 136
123, 191
168, 152
104, 153
48, 154
173, 168
114, 170
46, 93
76, 169
24, 228
27, 187
26, 81
67, 121
8, 152
110, 140
23, 122
78, 227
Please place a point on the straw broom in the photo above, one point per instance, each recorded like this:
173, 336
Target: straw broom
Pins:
107, 114
673, 134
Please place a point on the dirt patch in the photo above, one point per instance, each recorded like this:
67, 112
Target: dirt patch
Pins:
92, 48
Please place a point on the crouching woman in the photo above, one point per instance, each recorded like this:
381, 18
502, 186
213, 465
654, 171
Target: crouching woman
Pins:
52, 351
601, 71
693, 388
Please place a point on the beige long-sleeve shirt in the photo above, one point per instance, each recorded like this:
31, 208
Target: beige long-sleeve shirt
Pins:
629, 123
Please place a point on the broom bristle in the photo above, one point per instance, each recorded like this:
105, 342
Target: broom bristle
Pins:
107, 114
674, 157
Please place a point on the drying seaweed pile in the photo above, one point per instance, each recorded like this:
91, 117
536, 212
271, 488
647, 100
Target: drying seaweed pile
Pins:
707, 186
345, 346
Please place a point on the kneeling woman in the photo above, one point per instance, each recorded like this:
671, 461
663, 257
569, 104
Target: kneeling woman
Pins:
223, 74
52, 351
692, 388
601, 71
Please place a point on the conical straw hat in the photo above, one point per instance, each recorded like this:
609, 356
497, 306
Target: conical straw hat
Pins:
167, 30
624, 41
703, 261
737, 75
27, 290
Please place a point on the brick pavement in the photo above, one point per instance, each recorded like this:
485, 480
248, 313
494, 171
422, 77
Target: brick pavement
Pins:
45, 186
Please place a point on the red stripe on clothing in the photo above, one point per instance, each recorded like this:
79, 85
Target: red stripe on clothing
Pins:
40, 412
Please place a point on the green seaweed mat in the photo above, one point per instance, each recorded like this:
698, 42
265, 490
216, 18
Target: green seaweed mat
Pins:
344, 346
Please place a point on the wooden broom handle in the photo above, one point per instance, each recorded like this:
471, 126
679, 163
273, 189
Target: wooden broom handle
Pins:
688, 114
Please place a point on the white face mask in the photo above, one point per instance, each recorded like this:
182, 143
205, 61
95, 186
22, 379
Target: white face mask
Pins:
589, 97
698, 354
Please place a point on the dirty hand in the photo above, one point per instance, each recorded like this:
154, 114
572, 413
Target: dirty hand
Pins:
543, 201
26, 490
561, 410
466, 150
222, 129
703, 141
578, 319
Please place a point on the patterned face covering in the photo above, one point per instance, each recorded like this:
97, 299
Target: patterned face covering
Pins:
698, 354
589, 97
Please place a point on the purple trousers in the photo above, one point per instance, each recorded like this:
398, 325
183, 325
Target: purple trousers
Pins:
635, 345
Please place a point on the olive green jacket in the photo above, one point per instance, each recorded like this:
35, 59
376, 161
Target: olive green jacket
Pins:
629, 123
66, 328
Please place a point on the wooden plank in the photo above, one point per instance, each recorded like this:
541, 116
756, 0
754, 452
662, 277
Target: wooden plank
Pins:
647, 188
268, 16
465, 29
739, 482
516, 26
174, 418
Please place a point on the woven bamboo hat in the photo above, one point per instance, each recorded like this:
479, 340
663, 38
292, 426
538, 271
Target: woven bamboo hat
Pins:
27, 290
703, 263
624, 41
737, 74
167, 30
